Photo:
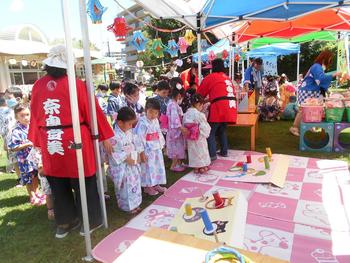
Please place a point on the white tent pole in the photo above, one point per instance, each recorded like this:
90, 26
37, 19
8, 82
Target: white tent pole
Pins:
298, 66
199, 47
92, 108
230, 63
233, 63
76, 126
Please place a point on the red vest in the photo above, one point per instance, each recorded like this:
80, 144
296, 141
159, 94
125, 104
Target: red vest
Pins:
50, 106
220, 90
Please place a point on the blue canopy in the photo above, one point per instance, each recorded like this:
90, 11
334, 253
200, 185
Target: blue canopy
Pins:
275, 50
214, 13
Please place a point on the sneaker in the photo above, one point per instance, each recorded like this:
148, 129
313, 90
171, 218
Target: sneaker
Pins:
92, 229
294, 131
150, 191
62, 232
213, 158
160, 189
222, 155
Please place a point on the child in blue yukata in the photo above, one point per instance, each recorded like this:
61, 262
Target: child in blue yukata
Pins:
7, 123
124, 162
291, 109
101, 94
114, 99
20, 144
162, 97
152, 170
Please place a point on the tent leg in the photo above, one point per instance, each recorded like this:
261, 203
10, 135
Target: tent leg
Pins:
199, 47
298, 66
233, 63
76, 127
92, 108
230, 63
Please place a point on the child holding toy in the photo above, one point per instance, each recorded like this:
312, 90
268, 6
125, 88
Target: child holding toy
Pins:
199, 130
175, 142
124, 162
152, 170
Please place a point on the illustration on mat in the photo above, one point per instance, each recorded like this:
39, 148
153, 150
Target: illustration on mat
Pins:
266, 239
323, 256
159, 219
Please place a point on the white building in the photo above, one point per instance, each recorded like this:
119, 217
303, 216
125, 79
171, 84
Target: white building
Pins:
22, 49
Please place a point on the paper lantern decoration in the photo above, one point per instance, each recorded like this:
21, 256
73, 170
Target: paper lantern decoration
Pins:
158, 48
211, 55
95, 11
189, 37
224, 54
172, 48
237, 58
139, 41
119, 28
179, 62
182, 45
204, 44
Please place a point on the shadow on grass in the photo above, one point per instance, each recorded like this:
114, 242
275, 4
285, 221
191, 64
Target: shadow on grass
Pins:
14, 201
7, 184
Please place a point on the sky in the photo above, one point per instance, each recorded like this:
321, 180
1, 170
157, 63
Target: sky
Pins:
47, 16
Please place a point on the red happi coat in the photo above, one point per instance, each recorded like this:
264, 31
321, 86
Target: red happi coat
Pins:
54, 163
218, 85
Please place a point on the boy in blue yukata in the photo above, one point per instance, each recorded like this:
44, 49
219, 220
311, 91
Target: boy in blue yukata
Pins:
114, 100
20, 144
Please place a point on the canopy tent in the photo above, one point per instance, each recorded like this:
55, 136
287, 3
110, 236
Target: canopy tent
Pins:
320, 36
214, 13
204, 15
218, 47
276, 50
104, 60
330, 19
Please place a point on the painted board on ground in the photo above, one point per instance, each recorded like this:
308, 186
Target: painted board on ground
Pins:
228, 220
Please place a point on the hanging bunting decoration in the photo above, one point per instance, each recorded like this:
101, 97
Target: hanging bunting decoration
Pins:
139, 41
204, 44
182, 43
158, 48
119, 28
95, 10
224, 54
211, 55
179, 62
172, 48
189, 37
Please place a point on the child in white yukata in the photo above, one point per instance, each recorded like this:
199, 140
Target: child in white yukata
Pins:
175, 141
124, 162
153, 170
197, 146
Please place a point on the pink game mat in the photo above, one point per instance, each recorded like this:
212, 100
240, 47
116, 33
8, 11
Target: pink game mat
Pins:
306, 221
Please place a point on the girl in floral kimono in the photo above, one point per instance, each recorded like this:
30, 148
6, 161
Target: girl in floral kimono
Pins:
175, 142
197, 146
124, 162
153, 170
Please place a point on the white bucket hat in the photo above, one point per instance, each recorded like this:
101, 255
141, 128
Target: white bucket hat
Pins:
57, 57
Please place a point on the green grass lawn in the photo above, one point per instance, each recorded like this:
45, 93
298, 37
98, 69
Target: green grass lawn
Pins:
27, 236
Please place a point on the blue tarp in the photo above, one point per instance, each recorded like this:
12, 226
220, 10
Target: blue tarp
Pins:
275, 50
264, 51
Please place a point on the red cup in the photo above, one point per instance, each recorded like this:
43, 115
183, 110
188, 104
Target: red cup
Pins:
249, 159
218, 200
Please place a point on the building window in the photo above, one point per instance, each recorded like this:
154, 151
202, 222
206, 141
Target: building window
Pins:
25, 75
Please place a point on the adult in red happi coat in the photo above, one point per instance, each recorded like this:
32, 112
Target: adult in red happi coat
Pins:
51, 130
223, 109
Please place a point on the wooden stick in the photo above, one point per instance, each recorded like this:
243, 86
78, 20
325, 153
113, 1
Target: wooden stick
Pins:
216, 237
